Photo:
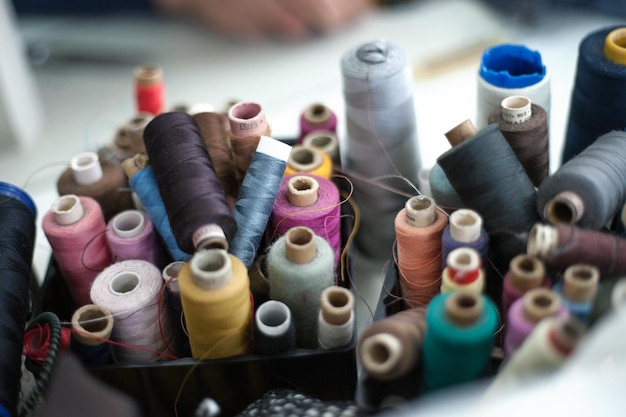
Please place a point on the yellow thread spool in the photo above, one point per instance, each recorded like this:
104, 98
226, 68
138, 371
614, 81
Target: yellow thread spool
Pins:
615, 46
310, 160
214, 288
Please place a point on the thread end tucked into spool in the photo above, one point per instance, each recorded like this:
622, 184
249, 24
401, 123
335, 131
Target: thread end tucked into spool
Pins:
580, 282
463, 307
211, 268
465, 225
516, 109
86, 168
615, 46
420, 211
566, 207
336, 304
300, 245
302, 190
67, 209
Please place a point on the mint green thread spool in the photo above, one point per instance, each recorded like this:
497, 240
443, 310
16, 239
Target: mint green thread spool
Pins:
459, 339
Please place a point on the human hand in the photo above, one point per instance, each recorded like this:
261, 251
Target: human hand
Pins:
251, 19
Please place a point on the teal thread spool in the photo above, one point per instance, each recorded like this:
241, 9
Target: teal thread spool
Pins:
459, 338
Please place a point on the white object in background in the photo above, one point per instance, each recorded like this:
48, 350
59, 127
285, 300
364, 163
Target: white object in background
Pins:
20, 107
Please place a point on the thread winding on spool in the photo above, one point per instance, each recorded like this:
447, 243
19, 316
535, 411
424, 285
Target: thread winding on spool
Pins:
92, 326
309, 160
590, 188
578, 290
317, 117
389, 348
458, 340
76, 231
510, 70
149, 89
214, 290
524, 125
463, 271
419, 227
524, 314
525, 273
442, 191
131, 291
144, 185
465, 229
563, 245
98, 178
597, 77
18, 221
247, 124
336, 317
274, 330
327, 142
128, 139
257, 196
381, 135
300, 267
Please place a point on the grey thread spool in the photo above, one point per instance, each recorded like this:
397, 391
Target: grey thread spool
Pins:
588, 189
381, 137
486, 174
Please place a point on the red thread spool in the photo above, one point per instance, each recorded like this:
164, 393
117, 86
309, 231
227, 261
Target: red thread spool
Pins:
149, 89
463, 270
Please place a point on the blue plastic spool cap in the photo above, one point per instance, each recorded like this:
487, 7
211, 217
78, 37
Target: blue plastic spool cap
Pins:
12, 191
511, 66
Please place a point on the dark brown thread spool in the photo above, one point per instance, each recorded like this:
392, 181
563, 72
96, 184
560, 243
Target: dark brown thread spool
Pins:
561, 246
529, 138
214, 131
109, 187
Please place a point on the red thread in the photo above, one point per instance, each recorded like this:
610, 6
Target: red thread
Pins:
150, 98
463, 277
37, 343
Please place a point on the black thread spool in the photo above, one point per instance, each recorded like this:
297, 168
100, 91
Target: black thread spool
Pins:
490, 180
17, 222
193, 198
588, 189
598, 102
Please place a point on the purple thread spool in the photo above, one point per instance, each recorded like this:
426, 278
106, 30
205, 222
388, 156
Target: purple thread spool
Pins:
525, 273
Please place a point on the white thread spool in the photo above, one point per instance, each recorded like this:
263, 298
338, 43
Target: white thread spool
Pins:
86, 168
336, 317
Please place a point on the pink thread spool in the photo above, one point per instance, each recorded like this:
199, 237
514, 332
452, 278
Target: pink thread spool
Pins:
526, 312
525, 273
76, 230
317, 116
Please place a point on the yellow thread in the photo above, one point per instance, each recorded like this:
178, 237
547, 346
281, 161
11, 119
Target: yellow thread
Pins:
323, 170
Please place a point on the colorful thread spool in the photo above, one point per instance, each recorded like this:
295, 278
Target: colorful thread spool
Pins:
170, 280
92, 326
463, 271
300, 266
419, 227
257, 196
131, 291
134, 129
526, 312
442, 191
317, 117
309, 160
336, 318
525, 273
149, 89
578, 290
76, 231
458, 340
215, 294
274, 330
98, 178
465, 229
327, 142
510, 70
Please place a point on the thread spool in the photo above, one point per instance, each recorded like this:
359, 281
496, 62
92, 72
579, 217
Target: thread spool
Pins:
442, 191
459, 338
317, 117
589, 189
257, 196
92, 326
578, 289
378, 88
327, 142
548, 346
18, 222
149, 89
597, 77
336, 317
134, 131
525, 273
488, 177
524, 125
175, 307
131, 235
214, 289
195, 203
309, 160
390, 348
213, 129
76, 231
300, 267
465, 229
98, 178
561, 245
463, 271
131, 291
311, 201
144, 185
247, 124
524, 314
510, 70
419, 225
275, 331
259, 282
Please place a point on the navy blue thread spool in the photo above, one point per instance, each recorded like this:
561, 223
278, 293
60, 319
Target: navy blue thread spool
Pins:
598, 102
91, 329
